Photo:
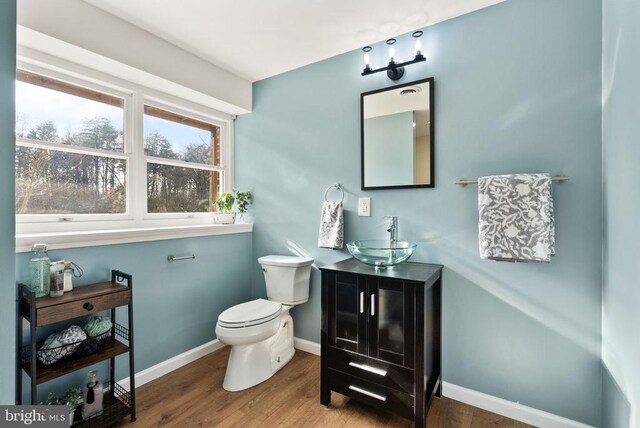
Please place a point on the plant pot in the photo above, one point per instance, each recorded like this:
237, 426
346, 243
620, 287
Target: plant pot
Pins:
224, 218
71, 418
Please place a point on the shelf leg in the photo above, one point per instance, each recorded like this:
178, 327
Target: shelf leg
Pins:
19, 325
132, 370
33, 323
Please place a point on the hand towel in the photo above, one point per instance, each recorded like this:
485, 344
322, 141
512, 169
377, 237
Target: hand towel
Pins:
516, 218
331, 225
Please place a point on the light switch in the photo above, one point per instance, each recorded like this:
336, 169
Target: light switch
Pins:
364, 207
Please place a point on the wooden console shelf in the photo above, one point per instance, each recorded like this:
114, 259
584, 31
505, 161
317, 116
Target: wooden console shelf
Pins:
81, 302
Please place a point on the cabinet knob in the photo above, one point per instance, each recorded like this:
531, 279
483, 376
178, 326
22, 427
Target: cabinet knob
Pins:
88, 306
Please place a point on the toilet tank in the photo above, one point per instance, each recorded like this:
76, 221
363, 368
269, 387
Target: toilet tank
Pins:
287, 278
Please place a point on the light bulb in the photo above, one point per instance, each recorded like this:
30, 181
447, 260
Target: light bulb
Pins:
392, 51
367, 60
417, 35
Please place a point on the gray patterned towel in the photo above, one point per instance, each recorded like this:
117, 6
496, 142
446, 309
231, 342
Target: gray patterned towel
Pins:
331, 225
516, 218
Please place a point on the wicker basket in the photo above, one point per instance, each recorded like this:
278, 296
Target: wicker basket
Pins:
82, 348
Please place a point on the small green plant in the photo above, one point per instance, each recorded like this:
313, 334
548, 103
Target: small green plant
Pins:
243, 199
225, 202
72, 399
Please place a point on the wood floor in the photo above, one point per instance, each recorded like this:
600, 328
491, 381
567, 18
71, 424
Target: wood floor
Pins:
192, 396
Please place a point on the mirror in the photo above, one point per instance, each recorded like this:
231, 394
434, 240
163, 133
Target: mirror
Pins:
397, 136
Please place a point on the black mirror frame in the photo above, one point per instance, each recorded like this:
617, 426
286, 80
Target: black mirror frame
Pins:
431, 130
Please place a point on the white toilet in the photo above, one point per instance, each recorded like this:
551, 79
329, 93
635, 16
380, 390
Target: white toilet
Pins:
260, 332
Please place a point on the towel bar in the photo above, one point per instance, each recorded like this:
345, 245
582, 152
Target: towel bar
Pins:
172, 258
463, 182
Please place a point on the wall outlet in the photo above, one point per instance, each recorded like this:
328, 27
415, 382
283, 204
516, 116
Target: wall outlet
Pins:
364, 207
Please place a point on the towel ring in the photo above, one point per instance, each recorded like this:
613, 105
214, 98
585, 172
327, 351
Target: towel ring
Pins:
334, 186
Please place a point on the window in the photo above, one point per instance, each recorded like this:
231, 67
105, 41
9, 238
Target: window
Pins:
183, 162
93, 158
70, 154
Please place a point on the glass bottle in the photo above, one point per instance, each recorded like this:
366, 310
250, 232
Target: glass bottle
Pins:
92, 395
68, 277
56, 283
39, 267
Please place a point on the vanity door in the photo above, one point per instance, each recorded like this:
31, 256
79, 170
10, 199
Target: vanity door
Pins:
347, 312
392, 320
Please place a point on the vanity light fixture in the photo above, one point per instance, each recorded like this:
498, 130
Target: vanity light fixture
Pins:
394, 70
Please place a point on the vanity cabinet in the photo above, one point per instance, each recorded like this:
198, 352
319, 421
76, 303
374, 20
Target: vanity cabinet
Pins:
381, 335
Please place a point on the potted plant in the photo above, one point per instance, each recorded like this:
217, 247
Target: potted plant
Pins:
243, 199
72, 399
225, 203
225, 215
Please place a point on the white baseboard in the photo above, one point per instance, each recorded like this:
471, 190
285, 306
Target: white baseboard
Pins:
306, 346
167, 366
512, 410
161, 369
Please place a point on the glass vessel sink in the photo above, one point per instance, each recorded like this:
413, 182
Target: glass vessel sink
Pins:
381, 254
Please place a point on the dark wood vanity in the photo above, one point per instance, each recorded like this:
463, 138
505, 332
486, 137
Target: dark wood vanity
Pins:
381, 335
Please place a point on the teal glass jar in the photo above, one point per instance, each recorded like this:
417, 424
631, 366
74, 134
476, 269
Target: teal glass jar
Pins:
39, 266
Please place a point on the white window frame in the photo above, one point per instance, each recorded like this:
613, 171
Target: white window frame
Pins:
76, 230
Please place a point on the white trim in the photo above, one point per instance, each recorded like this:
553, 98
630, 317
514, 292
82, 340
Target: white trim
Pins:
94, 238
69, 148
512, 410
306, 346
183, 164
167, 366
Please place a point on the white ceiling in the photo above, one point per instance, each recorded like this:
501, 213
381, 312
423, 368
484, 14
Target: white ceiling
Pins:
256, 39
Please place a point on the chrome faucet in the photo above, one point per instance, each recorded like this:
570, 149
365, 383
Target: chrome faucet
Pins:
392, 228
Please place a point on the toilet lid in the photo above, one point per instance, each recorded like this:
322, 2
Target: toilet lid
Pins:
251, 313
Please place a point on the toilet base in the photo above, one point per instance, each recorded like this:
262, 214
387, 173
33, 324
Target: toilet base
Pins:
254, 363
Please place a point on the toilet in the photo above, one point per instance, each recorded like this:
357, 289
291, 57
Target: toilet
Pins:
260, 332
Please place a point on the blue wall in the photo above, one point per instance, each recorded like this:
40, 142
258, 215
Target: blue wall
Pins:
518, 89
621, 175
7, 196
176, 304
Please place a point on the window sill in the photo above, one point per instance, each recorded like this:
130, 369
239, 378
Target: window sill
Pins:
58, 240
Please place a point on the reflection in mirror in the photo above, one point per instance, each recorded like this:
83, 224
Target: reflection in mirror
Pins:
397, 136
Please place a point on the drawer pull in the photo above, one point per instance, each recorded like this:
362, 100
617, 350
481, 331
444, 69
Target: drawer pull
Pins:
362, 302
369, 393
88, 306
367, 368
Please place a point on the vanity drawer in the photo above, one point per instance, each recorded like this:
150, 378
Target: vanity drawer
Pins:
372, 370
82, 307
373, 394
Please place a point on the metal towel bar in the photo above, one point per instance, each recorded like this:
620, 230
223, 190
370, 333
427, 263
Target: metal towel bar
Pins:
172, 258
463, 182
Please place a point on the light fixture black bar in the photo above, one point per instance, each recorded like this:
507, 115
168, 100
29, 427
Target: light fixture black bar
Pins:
391, 66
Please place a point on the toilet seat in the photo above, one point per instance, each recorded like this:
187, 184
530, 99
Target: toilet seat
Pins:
255, 312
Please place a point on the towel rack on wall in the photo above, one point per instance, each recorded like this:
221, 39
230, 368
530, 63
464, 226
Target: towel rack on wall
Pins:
463, 182
337, 187
172, 258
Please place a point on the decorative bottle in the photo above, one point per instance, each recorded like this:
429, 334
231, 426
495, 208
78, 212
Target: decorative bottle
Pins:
92, 395
56, 283
68, 277
39, 267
